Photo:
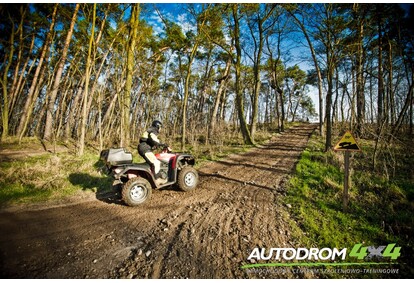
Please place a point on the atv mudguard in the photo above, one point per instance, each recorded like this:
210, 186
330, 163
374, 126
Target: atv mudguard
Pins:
138, 169
185, 159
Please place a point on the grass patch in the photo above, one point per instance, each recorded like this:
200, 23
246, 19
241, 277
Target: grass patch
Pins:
380, 209
49, 176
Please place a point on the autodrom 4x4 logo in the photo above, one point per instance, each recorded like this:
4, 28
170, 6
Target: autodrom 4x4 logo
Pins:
370, 252
290, 257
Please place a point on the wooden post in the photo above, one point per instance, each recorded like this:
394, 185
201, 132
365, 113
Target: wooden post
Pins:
347, 143
346, 181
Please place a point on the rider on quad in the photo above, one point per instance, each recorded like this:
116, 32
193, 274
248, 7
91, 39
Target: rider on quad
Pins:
148, 141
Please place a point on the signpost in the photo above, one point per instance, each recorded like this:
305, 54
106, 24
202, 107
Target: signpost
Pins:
347, 144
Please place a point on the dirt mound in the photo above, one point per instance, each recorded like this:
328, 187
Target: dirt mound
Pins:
207, 233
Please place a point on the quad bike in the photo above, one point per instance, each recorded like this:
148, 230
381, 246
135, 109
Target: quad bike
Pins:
137, 179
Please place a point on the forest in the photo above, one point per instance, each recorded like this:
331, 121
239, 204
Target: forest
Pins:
259, 94
100, 73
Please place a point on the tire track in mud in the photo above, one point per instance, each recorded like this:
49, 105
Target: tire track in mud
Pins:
206, 233
240, 209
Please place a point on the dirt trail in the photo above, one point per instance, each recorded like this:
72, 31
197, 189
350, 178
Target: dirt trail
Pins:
207, 233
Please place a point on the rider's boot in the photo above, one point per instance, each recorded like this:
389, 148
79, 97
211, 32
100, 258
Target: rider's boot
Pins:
159, 180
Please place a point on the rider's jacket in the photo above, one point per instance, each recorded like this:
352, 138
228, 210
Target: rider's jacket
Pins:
149, 140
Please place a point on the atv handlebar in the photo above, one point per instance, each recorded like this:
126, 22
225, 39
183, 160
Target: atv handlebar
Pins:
166, 149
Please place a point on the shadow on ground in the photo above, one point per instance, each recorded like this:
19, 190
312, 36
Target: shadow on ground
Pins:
103, 187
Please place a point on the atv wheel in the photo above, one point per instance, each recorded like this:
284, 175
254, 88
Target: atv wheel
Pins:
136, 191
187, 179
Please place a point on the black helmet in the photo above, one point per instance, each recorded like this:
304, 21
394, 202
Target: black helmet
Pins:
157, 124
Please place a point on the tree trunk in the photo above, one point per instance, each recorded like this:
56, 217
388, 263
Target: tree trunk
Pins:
86, 89
4, 82
392, 105
126, 98
335, 103
407, 105
103, 60
360, 95
330, 74
28, 107
380, 116
200, 24
328, 140
186, 93
223, 82
52, 96
70, 124
17, 79
239, 95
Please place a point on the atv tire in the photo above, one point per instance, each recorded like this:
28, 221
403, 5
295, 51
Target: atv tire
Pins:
187, 179
136, 191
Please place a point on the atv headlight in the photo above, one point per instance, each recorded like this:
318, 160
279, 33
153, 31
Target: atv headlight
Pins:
117, 170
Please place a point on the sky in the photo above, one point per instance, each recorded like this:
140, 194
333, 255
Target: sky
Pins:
173, 11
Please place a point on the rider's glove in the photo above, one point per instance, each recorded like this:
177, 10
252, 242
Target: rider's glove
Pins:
163, 145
